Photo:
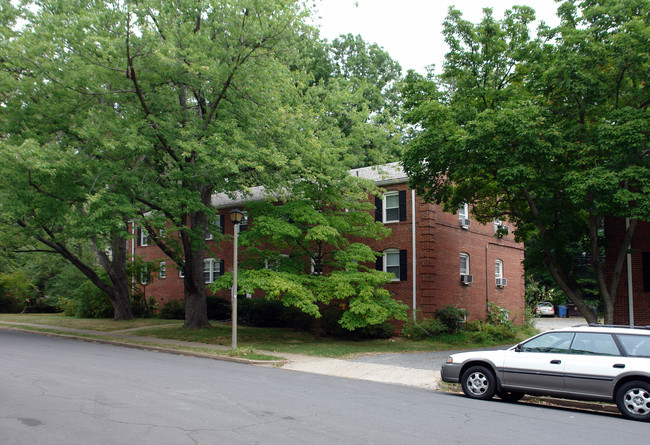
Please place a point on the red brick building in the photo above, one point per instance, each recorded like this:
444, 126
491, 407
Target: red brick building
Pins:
438, 258
631, 300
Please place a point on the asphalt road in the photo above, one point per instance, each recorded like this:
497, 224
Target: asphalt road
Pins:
60, 391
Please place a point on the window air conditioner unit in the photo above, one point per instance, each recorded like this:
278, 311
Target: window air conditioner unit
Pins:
466, 279
502, 282
465, 223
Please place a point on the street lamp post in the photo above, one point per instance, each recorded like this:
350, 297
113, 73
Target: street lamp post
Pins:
236, 217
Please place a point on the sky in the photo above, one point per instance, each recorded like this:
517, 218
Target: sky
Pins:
411, 30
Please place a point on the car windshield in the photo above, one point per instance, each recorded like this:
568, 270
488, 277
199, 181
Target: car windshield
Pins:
557, 342
635, 345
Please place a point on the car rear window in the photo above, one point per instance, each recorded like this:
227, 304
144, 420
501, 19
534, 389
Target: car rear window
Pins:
635, 345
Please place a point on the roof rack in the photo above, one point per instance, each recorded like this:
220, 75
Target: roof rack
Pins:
599, 325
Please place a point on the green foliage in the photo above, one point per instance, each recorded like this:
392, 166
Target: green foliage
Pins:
536, 292
89, 302
547, 132
218, 308
481, 332
426, 328
172, 310
498, 316
452, 318
15, 291
9, 303
308, 251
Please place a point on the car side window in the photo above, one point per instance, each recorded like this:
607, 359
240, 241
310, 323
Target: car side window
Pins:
635, 345
553, 342
594, 344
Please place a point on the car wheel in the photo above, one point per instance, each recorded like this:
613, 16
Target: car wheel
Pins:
633, 400
478, 382
510, 396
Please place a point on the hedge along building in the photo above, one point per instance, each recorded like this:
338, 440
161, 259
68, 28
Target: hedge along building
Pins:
438, 258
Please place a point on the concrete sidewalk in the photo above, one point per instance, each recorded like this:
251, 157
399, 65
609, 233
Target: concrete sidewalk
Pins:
401, 375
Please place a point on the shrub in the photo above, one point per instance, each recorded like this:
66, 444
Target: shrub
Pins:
481, 332
172, 310
44, 305
260, 312
15, 290
219, 308
498, 316
452, 317
427, 328
91, 302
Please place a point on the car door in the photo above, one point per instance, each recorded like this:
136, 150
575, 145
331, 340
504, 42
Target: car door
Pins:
538, 364
593, 363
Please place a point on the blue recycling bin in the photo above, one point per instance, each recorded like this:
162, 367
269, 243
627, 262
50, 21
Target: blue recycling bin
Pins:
562, 311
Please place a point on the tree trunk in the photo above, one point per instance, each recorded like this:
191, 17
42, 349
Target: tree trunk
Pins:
115, 267
196, 306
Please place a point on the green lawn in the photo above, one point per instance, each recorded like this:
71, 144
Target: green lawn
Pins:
266, 339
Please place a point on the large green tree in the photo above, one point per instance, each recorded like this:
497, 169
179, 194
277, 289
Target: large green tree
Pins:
309, 249
550, 133
178, 100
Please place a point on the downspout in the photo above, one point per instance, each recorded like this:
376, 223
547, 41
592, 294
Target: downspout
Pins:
487, 282
414, 259
630, 294
133, 253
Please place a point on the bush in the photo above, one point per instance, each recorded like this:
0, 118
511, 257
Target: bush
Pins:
90, 302
172, 310
219, 308
480, 332
9, 303
452, 317
44, 305
427, 328
260, 312
15, 290
498, 316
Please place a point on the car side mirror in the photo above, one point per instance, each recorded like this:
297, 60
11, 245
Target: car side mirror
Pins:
519, 348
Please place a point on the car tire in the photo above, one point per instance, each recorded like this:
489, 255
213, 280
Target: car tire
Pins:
510, 396
633, 400
478, 382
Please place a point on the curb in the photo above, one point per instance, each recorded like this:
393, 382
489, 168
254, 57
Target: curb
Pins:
226, 358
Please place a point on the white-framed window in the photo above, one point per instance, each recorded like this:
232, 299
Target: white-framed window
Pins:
391, 263
243, 225
464, 264
274, 263
211, 269
391, 207
463, 212
143, 237
144, 274
162, 270
181, 274
208, 235
498, 269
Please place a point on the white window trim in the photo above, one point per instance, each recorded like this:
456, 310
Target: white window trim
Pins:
144, 237
162, 270
498, 269
463, 212
385, 208
385, 263
211, 269
465, 256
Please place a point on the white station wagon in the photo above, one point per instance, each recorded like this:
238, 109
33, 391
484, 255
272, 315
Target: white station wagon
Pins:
605, 363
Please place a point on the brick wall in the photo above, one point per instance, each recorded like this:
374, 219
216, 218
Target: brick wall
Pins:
614, 233
439, 240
